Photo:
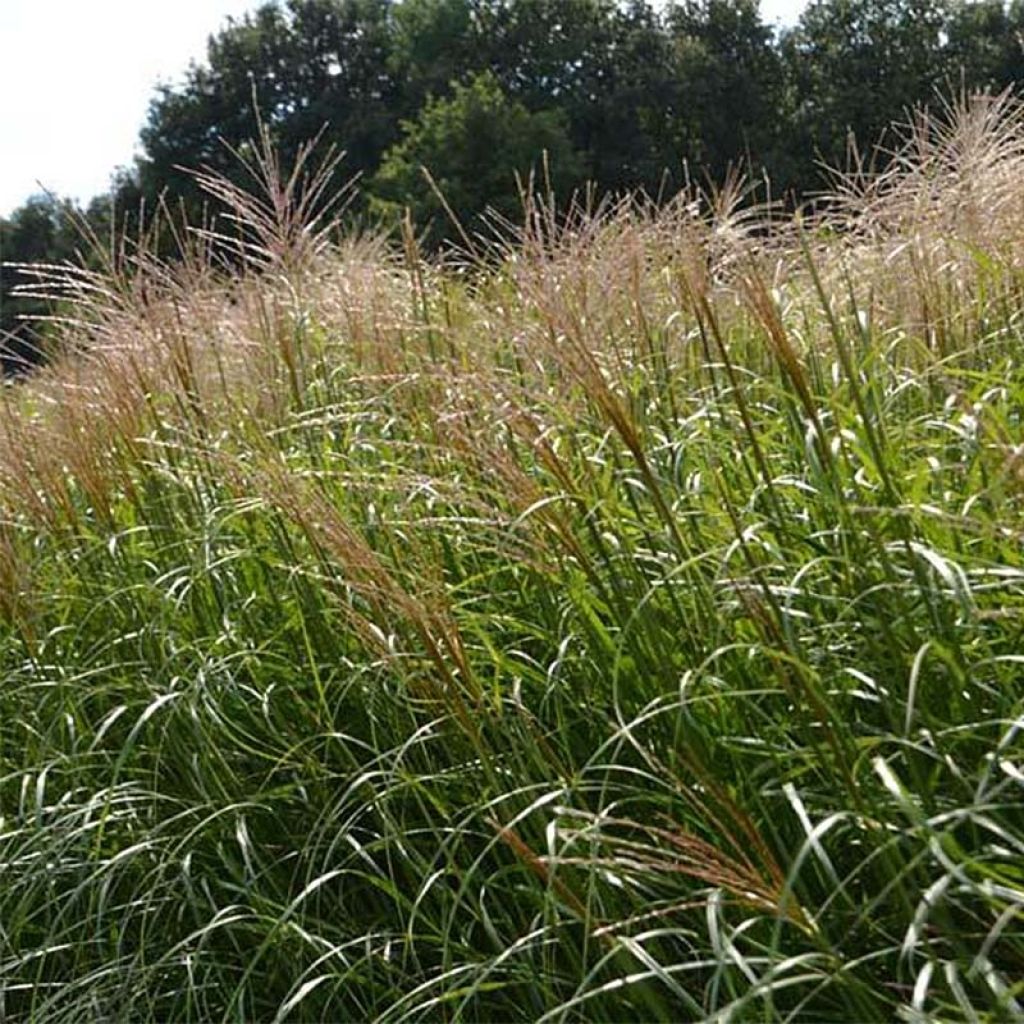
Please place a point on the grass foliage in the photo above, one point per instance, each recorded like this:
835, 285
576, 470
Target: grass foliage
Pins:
623, 621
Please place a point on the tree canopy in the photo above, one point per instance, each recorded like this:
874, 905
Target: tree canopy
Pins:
41, 230
638, 88
475, 144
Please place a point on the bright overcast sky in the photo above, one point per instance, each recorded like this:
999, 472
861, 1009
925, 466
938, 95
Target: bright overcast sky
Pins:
76, 78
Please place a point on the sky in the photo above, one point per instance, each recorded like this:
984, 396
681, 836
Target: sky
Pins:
77, 76
782, 12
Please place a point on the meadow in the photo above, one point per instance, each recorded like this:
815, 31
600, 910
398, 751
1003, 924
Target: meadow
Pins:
618, 618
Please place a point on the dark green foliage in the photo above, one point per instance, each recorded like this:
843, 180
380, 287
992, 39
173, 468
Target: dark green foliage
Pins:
309, 67
640, 89
856, 66
40, 231
474, 144
434, 43
729, 85
985, 43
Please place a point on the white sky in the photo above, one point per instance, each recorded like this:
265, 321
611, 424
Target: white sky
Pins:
76, 78
782, 12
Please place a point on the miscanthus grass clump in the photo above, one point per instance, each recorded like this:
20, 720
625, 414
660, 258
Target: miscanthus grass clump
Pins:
623, 620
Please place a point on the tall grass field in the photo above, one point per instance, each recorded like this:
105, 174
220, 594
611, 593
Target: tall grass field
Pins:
620, 618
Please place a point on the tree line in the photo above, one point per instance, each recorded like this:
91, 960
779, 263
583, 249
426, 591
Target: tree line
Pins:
620, 94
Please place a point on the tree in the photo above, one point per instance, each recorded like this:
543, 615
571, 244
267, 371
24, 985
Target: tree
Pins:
985, 44
856, 66
435, 43
640, 89
620, 110
730, 98
313, 66
473, 143
42, 230
597, 61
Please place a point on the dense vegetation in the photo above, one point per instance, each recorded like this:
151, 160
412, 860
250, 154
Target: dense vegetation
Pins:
621, 95
619, 621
